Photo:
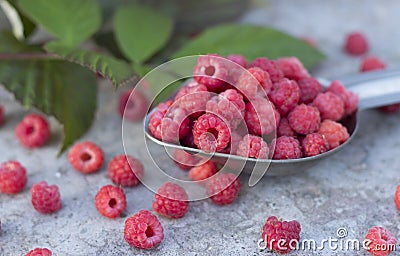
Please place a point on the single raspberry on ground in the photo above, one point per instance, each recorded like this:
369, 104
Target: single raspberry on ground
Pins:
171, 200
330, 106
314, 144
286, 147
133, 105
255, 82
1, 115
292, 68
381, 242
275, 74
253, 146
304, 119
309, 89
334, 133
261, 116
39, 252
223, 188
281, 236
370, 63
110, 201
211, 71
349, 98
228, 105
12, 177
45, 199
33, 131
356, 43
239, 59
193, 97
390, 109
86, 157
125, 170
285, 94
397, 197
203, 171
143, 230
211, 134
284, 128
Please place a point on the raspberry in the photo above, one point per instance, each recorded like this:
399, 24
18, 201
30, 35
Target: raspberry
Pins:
253, 146
228, 105
356, 43
171, 201
125, 170
223, 188
210, 133
350, 99
203, 171
286, 148
238, 59
261, 116
292, 68
284, 128
390, 109
12, 177
254, 82
193, 97
314, 144
39, 252
33, 131
281, 236
86, 157
397, 197
169, 123
371, 63
211, 71
110, 201
330, 106
334, 133
304, 119
234, 144
309, 89
184, 160
143, 230
270, 67
285, 94
1, 115
133, 105
45, 199
381, 242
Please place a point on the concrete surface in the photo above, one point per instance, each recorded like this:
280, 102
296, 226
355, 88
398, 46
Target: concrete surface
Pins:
352, 190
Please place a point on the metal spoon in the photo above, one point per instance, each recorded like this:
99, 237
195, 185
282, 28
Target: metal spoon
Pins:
374, 89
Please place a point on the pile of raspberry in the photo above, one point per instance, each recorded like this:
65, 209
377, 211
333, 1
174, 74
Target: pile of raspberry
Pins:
262, 109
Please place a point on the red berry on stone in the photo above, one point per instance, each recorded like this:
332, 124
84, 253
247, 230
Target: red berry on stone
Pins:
86, 157
223, 188
371, 63
39, 252
33, 131
12, 177
45, 199
110, 201
380, 241
356, 43
125, 170
397, 197
171, 201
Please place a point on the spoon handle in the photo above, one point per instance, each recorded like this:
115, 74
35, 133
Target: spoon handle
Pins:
376, 88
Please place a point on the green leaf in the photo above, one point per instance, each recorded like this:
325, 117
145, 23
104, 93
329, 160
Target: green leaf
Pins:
27, 23
251, 41
118, 71
71, 21
56, 87
141, 31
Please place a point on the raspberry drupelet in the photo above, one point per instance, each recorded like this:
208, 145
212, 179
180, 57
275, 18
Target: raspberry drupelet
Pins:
39, 252
309, 89
223, 188
281, 236
211, 71
304, 119
86, 157
12, 177
229, 106
143, 230
286, 147
203, 171
253, 146
314, 144
125, 170
334, 133
193, 98
255, 82
330, 106
356, 43
261, 116
133, 105
381, 242
110, 201
45, 199
211, 133
349, 98
33, 131
171, 200
292, 68
285, 95
269, 66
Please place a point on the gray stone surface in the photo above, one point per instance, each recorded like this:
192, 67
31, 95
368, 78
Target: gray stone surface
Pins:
353, 189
